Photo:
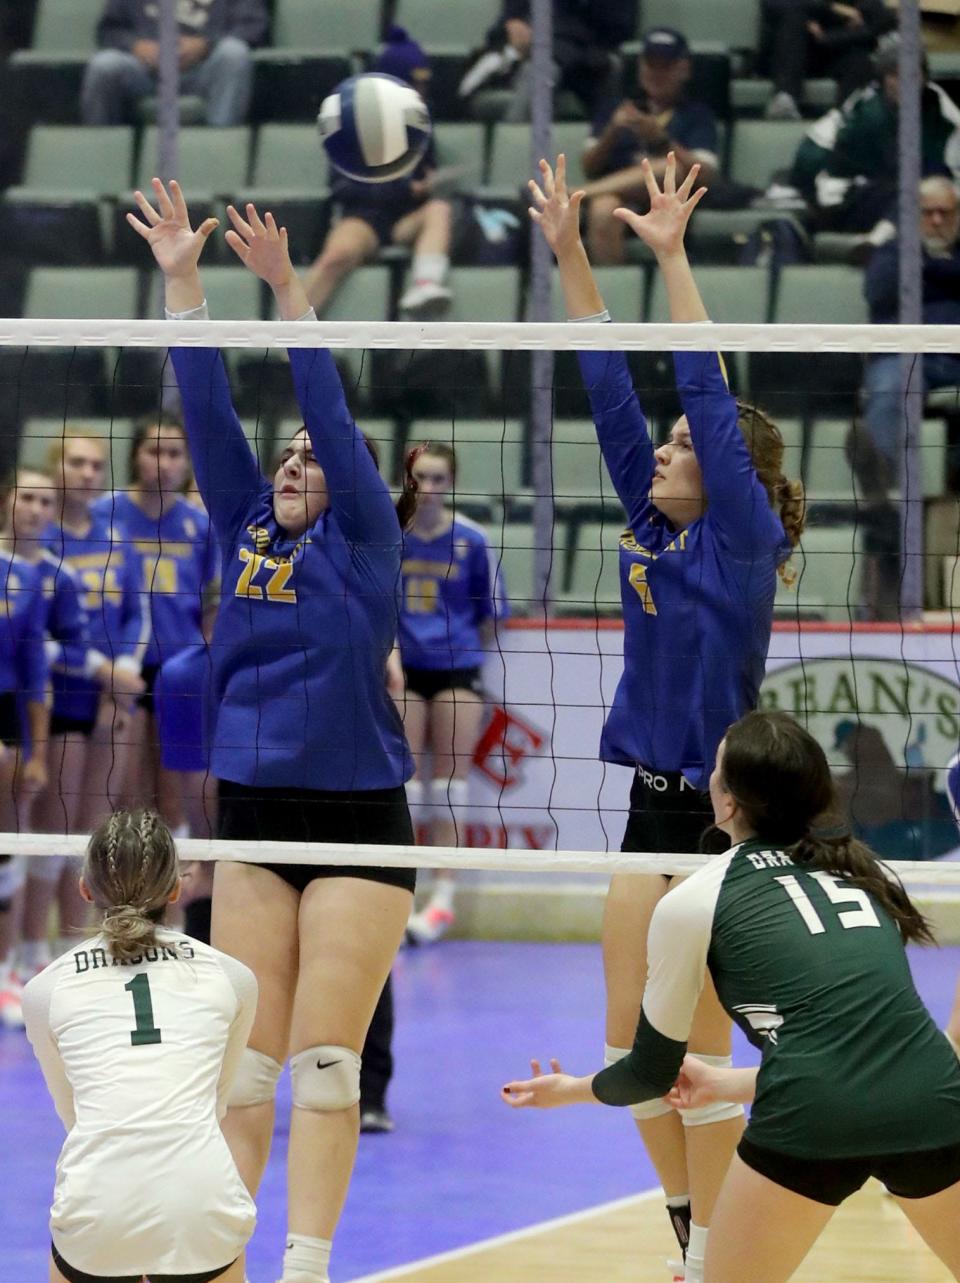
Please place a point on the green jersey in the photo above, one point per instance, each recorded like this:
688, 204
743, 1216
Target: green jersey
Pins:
815, 973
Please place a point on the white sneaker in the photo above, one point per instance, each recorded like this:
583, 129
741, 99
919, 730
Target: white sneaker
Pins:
425, 299
11, 1003
782, 106
677, 1272
429, 925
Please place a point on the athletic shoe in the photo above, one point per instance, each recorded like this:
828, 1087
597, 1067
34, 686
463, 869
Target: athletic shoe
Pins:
677, 1273
429, 925
425, 300
375, 1121
782, 107
11, 1003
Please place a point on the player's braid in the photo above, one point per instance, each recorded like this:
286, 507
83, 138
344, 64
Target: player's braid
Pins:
130, 870
111, 841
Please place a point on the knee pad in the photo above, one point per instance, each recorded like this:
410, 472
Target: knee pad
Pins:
419, 800
47, 868
256, 1080
721, 1110
647, 1108
325, 1078
451, 793
13, 873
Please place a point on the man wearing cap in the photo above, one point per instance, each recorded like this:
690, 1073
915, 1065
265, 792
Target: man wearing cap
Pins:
213, 45
661, 119
401, 212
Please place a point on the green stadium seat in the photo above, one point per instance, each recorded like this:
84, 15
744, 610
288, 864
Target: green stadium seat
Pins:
290, 85
66, 26
828, 566
489, 456
513, 543
328, 25
761, 148
751, 95
211, 161
43, 83
593, 586
461, 146
289, 158
623, 290
364, 296
511, 162
444, 23
39, 434
735, 22
732, 295
579, 472
95, 293
233, 293
827, 294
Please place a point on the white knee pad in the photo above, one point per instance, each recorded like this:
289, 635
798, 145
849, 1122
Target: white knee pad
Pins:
721, 1110
13, 873
325, 1078
419, 801
256, 1080
46, 868
647, 1108
451, 793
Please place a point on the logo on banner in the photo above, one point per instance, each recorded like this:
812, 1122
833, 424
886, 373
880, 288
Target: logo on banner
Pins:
503, 746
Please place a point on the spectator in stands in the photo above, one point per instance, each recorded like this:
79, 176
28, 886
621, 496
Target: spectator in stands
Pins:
401, 212
940, 233
847, 166
801, 38
586, 38
662, 119
215, 40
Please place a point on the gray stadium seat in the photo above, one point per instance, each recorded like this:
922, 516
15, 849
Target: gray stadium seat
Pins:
233, 293
489, 455
75, 293
67, 26
828, 294
579, 472
328, 25
39, 434
364, 296
623, 290
511, 162
735, 22
828, 566
829, 476
733, 295
761, 148
212, 161
462, 145
594, 584
77, 161
444, 22
514, 544
289, 158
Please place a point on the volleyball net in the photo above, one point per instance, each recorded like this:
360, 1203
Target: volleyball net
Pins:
863, 648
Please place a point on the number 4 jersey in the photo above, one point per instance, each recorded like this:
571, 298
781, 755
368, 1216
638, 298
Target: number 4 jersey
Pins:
139, 1059
815, 973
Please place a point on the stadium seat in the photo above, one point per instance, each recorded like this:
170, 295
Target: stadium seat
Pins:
448, 65
829, 476
97, 293
42, 83
511, 161
55, 215
39, 434
750, 96
364, 296
761, 148
290, 179
233, 293
289, 84
513, 543
444, 23
66, 26
593, 584
734, 22
328, 25
489, 456
579, 472
828, 566
623, 290
461, 147
210, 161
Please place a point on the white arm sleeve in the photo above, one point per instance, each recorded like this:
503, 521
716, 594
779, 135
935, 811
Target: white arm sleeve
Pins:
37, 997
245, 987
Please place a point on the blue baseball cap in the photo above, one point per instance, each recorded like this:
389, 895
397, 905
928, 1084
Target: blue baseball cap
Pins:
666, 43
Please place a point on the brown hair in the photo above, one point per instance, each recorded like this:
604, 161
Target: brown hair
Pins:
56, 448
779, 776
131, 870
765, 444
8, 486
407, 503
142, 429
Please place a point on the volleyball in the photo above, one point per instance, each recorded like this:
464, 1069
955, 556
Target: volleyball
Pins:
374, 128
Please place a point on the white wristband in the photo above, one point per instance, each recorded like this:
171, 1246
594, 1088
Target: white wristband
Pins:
597, 318
200, 313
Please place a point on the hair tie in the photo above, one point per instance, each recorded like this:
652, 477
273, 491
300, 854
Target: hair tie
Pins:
412, 456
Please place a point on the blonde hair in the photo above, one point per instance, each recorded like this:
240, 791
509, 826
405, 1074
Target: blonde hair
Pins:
765, 443
55, 450
131, 869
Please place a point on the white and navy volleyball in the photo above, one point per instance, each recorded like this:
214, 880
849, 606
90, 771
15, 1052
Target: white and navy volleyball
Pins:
374, 127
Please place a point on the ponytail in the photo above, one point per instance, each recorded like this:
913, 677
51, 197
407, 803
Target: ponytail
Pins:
407, 503
838, 852
131, 870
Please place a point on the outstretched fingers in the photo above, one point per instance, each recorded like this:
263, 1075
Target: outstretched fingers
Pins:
649, 179
164, 202
686, 187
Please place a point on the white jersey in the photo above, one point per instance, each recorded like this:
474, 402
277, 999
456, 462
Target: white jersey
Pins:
139, 1059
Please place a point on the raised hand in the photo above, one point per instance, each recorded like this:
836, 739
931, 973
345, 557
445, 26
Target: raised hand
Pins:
166, 229
554, 210
664, 227
260, 245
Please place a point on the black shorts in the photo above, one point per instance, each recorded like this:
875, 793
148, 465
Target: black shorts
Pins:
377, 816
78, 1276
831, 1180
668, 814
428, 682
60, 725
382, 217
11, 725
149, 673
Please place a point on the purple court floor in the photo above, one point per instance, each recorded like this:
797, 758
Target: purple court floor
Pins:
461, 1166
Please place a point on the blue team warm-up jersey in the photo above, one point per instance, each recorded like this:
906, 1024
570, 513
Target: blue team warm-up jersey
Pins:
24, 666
109, 580
299, 652
177, 564
698, 604
451, 585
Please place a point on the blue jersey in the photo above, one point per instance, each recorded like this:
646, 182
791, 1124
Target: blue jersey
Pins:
305, 625
24, 666
108, 578
697, 604
177, 566
451, 585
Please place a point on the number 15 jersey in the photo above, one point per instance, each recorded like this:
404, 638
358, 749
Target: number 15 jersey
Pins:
139, 1059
